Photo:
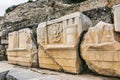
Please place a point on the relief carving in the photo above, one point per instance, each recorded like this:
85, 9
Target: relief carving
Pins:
41, 35
101, 50
116, 11
60, 37
55, 33
25, 51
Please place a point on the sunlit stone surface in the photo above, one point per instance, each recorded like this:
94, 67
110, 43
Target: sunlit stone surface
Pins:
21, 49
101, 49
58, 42
116, 11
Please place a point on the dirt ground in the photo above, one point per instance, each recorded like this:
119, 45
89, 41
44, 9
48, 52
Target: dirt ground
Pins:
23, 73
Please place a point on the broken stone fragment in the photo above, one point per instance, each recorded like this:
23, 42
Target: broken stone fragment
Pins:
101, 50
22, 49
3, 75
58, 42
22, 74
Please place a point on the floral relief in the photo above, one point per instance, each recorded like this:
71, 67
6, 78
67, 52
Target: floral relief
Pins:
55, 33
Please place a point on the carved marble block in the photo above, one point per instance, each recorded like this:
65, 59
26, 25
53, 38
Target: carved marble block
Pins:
116, 10
100, 49
21, 48
58, 42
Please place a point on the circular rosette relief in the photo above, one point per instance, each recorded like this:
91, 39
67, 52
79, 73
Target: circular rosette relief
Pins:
55, 33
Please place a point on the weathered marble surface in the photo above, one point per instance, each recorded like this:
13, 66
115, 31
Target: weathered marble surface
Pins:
21, 48
116, 11
101, 49
58, 42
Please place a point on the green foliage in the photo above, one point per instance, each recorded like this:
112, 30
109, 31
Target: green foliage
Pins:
9, 9
29, 1
76, 1
112, 15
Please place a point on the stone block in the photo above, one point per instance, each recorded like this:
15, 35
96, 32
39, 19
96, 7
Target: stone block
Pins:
116, 10
21, 48
58, 42
101, 50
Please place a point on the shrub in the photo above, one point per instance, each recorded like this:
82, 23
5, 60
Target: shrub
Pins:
76, 1
9, 9
29, 1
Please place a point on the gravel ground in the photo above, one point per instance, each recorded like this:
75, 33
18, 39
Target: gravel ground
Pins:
23, 73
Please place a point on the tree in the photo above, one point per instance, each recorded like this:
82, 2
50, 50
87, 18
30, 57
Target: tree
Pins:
9, 9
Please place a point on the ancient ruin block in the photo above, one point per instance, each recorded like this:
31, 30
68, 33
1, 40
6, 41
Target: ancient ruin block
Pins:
116, 10
100, 49
58, 42
21, 48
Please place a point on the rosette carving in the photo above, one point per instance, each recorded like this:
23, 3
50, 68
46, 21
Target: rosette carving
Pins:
55, 33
